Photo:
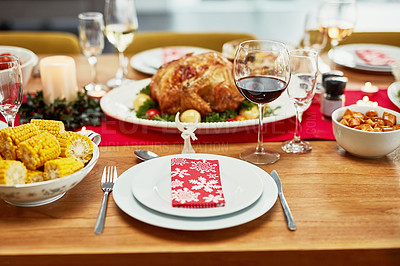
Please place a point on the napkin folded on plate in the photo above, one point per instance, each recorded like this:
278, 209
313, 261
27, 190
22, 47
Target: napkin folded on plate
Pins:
374, 57
196, 183
173, 53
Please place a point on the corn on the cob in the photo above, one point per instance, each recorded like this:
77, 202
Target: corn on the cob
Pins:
63, 140
52, 126
61, 167
11, 137
34, 176
34, 152
76, 145
12, 172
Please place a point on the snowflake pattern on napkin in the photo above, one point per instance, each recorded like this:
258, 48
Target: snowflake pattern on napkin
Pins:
173, 53
374, 57
196, 183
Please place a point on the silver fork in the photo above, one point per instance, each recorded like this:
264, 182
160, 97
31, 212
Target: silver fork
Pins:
107, 183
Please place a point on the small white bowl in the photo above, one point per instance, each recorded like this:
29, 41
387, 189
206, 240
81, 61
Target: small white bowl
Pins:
364, 143
28, 58
40, 193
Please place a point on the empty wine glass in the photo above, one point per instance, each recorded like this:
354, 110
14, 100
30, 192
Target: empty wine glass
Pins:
91, 37
121, 26
261, 71
301, 89
10, 87
337, 19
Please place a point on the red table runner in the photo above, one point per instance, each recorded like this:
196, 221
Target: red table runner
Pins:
115, 132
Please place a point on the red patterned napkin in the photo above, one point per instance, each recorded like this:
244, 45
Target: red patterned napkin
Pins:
196, 183
374, 57
173, 53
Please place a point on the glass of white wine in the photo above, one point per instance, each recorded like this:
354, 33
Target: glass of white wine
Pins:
337, 19
313, 38
121, 26
91, 38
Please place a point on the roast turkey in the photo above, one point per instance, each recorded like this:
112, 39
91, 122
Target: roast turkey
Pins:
203, 82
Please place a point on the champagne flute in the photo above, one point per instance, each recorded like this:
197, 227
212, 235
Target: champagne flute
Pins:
301, 90
121, 26
91, 27
261, 71
10, 87
337, 19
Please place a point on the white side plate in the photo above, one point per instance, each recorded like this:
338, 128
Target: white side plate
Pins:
125, 200
393, 93
241, 183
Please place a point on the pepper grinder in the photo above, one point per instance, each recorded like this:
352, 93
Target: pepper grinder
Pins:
333, 97
324, 76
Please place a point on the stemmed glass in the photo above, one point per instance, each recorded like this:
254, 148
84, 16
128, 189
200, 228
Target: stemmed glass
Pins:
301, 89
121, 26
10, 87
261, 71
313, 38
91, 37
337, 19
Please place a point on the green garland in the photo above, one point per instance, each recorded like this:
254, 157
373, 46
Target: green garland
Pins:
84, 111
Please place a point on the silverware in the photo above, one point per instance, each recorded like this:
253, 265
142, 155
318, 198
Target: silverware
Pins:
286, 210
107, 183
145, 155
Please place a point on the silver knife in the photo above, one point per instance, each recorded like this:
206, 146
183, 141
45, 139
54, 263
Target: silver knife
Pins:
286, 210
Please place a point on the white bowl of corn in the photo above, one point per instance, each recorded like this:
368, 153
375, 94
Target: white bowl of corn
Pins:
41, 162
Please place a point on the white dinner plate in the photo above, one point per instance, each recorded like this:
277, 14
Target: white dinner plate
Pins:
118, 103
241, 184
345, 55
123, 197
2, 125
150, 60
393, 93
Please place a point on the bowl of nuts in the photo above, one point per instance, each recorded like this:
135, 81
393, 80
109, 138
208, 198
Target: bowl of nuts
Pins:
365, 131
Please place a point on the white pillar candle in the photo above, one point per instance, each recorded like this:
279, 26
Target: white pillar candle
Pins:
58, 75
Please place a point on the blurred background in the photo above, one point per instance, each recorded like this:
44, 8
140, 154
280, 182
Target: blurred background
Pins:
273, 19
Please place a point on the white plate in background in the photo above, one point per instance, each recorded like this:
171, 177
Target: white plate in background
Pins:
393, 93
149, 61
345, 55
2, 125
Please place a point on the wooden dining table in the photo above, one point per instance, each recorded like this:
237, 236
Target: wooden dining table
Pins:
347, 209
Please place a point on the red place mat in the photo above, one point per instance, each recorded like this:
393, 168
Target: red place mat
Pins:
117, 133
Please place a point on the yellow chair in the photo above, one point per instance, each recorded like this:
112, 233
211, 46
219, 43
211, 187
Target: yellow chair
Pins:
388, 38
209, 40
41, 42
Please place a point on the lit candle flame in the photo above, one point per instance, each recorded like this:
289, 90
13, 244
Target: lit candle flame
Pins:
366, 102
369, 88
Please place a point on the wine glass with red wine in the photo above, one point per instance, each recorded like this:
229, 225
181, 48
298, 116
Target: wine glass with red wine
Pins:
261, 73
